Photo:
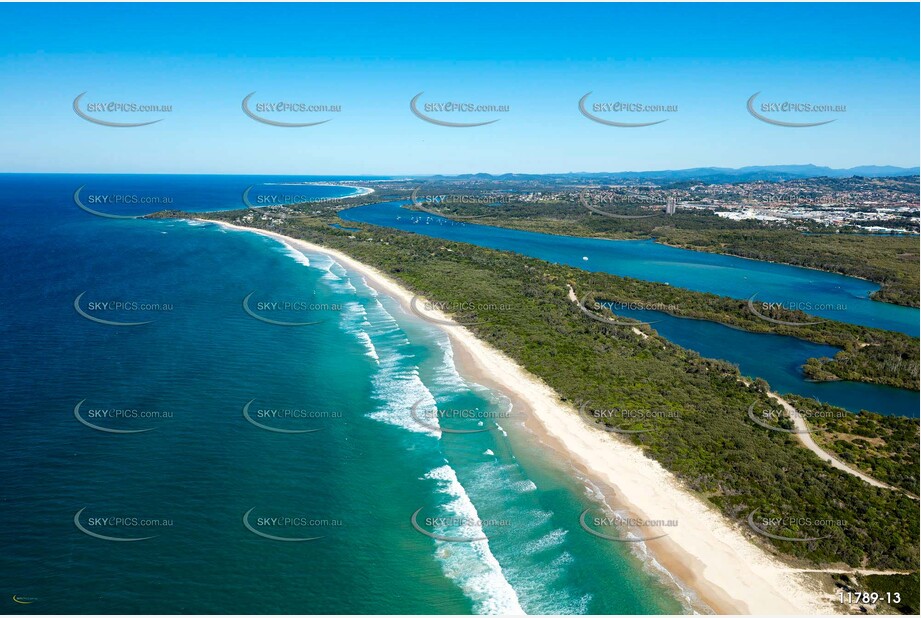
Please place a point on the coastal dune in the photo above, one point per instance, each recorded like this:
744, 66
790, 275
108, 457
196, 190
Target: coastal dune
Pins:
705, 552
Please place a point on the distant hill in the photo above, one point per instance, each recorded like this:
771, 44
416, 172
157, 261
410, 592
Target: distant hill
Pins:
713, 174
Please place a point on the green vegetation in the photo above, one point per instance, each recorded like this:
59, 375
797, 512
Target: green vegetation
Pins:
891, 261
893, 362
885, 447
867, 355
706, 439
897, 593
906, 586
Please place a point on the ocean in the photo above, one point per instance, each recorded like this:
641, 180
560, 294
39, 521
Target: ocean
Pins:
208, 421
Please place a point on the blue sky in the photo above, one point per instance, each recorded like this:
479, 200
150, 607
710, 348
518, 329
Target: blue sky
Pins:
538, 59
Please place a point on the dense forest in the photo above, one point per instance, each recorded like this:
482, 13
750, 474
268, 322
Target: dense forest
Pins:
707, 439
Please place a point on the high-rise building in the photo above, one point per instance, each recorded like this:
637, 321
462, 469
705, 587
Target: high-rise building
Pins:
671, 205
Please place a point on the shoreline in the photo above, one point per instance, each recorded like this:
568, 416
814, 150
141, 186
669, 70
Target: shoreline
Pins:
359, 191
705, 553
656, 240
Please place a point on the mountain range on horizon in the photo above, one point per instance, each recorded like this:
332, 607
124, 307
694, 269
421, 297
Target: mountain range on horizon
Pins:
717, 174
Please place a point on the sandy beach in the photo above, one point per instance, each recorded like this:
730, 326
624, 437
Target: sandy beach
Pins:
359, 191
705, 552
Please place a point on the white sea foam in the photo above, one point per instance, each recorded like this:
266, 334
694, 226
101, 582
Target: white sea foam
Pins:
471, 565
354, 321
688, 598
334, 275
325, 263
446, 377
371, 290
550, 540
397, 386
538, 518
299, 257
398, 390
541, 580
337, 269
524, 486
562, 560
384, 324
366, 340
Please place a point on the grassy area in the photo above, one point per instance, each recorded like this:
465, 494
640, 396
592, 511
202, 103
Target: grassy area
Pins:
706, 438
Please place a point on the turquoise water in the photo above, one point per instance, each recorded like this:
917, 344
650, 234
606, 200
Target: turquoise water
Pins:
196, 465
775, 358
827, 295
779, 360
